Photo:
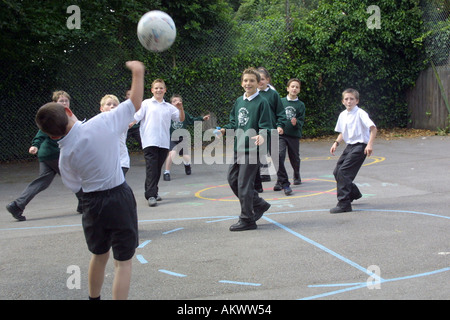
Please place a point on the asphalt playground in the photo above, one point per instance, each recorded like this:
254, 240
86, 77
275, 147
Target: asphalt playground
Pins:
395, 245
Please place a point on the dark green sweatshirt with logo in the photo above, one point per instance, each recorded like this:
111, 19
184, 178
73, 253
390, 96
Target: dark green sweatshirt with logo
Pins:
249, 118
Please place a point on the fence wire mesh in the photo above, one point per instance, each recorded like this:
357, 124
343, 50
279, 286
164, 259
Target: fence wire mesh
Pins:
89, 70
436, 17
206, 75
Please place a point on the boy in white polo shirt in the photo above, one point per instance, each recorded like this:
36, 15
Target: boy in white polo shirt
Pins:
155, 116
90, 159
359, 132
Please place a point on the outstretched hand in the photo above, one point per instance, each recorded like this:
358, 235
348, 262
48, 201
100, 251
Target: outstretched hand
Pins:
259, 140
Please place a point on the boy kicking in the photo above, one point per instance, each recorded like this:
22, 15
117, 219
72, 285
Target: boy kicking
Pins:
359, 132
90, 159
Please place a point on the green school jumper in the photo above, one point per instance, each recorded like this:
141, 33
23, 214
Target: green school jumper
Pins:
278, 114
293, 109
249, 117
48, 149
246, 115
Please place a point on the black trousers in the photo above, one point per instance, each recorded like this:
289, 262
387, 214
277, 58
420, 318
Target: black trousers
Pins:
154, 160
134, 133
292, 146
241, 178
345, 172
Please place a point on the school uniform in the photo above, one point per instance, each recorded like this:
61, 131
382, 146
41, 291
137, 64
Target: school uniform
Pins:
175, 125
289, 141
278, 120
90, 160
155, 123
249, 117
355, 128
48, 155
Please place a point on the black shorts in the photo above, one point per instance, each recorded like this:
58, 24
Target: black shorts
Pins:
110, 220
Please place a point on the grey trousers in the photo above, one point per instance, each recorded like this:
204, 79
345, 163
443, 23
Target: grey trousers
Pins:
241, 178
47, 172
345, 172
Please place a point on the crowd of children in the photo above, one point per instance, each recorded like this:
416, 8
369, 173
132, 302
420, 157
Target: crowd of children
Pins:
92, 158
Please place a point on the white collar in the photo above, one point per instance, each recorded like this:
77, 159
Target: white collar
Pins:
153, 99
251, 97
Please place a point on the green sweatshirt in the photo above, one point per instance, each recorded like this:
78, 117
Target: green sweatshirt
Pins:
278, 114
247, 115
294, 109
48, 149
188, 120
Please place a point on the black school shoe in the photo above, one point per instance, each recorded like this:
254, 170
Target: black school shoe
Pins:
187, 169
259, 213
15, 211
339, 209
242, 225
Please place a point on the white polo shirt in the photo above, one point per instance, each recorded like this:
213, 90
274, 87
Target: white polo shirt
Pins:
90, 152
354, 126
155, 120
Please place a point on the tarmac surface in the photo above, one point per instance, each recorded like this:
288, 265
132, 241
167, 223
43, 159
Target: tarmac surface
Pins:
395, 244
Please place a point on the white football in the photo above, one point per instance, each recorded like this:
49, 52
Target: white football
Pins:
156, 31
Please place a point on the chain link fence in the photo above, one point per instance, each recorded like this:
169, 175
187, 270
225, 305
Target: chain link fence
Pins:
428, 101
206, 75
436, 17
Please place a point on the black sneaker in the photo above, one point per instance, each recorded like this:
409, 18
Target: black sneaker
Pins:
339, 209
166, 176
297, 181
260, 211
287, 191
242, 225
356, 196
277, 187
15, 211
187, 169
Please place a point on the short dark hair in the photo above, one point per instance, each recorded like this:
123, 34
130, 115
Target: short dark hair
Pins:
52, 119
251, 71
176, 96
351, 91
294, 80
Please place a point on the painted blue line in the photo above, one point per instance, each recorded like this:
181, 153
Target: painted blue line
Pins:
334, 292
241, 283
232, 217
406, 211
143, 244
219, 220
42, 227
318, 245
335, 285
418, 275
141, 259
174, 230
172, 273
364, 284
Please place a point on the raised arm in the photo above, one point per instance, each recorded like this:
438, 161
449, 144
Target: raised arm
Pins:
137, 82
